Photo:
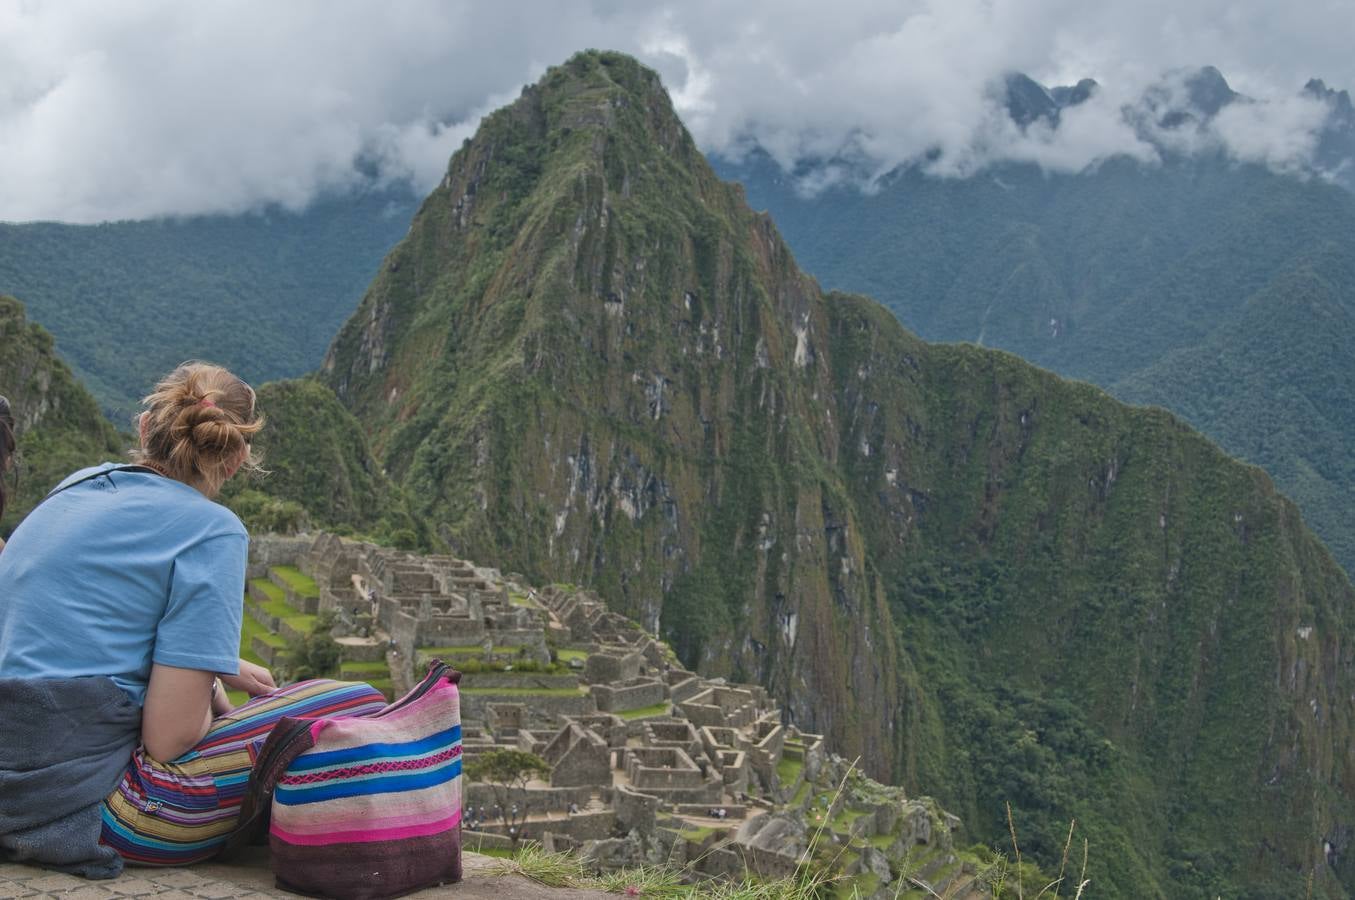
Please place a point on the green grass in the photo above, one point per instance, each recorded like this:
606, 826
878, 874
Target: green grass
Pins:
566, 655
842, 822
496, 852
271, 639
882, 841
270, 590
526, 692
696, 834
303, 624
301, 585
668, 882
280, 609
248, 629
364, 668
800, 795
521, 600
645, 712
863, 885
788, 770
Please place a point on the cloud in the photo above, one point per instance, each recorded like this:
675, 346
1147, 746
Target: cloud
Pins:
155, 107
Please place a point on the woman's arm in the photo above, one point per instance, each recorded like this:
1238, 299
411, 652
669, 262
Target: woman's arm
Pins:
177, 712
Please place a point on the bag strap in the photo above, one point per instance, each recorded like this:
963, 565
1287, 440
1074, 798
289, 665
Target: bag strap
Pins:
93, 475
289, 738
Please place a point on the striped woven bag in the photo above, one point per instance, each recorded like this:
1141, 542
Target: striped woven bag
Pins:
366, 808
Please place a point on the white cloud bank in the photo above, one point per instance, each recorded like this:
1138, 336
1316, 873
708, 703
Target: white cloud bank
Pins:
148, 108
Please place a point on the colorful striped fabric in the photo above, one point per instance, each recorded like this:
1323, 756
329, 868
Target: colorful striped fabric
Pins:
173, 814
370, 807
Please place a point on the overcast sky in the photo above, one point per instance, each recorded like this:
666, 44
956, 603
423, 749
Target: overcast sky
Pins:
144, 108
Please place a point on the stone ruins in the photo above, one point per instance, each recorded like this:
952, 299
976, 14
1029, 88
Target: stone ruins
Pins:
649, 763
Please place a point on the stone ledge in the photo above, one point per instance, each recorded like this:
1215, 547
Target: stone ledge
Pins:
249, 878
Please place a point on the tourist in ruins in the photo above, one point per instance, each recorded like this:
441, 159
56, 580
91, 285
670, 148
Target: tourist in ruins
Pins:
121, 598
7, 447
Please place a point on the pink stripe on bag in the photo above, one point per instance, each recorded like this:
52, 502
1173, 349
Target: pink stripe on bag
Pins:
349, 818
367, 835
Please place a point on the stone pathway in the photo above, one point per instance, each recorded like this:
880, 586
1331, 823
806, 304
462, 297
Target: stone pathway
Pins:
250, 879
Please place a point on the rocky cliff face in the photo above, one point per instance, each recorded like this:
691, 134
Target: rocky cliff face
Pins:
591, 362
59, 425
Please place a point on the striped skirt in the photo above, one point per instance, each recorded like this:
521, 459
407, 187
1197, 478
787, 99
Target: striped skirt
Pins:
173, 814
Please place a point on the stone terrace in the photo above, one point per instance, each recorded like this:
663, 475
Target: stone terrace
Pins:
650, 763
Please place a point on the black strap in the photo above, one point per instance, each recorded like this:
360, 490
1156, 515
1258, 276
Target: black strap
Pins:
92, 476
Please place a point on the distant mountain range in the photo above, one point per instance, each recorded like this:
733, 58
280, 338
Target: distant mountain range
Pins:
1225, 292
261, 293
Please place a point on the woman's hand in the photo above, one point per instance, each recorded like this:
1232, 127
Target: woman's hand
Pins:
253, 680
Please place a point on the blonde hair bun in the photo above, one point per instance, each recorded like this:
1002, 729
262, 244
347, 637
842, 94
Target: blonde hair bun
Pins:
197, 422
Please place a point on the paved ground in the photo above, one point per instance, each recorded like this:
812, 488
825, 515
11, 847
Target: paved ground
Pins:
250, 879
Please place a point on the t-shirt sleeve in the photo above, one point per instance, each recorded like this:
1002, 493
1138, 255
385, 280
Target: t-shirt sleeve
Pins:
201, 625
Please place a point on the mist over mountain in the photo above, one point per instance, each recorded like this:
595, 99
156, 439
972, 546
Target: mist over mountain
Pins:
1219, 289
151, 109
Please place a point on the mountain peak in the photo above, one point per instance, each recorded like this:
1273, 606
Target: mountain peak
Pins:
1028, 101
1208, 91
1338, 100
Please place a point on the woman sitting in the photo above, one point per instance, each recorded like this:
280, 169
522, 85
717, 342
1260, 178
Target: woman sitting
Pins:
121, 598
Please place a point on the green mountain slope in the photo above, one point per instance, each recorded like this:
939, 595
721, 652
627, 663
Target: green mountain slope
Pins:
1269, 401
590, 361
324, 467
59, 426
261, 294
1164, 285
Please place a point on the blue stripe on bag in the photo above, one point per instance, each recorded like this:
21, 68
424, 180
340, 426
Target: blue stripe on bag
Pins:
291, 796
367, 752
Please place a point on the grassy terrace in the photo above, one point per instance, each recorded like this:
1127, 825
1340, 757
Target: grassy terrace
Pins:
566, 655
788, 770
883, 841
842, 822
249, 628
364, 668
697, 835
303, 624
645, 712
303, 585
270, 590
271, 639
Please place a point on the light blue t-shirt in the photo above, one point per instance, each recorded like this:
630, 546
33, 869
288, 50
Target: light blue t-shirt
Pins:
118, 572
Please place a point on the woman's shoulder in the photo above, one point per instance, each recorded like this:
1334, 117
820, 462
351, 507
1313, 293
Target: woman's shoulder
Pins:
174, 500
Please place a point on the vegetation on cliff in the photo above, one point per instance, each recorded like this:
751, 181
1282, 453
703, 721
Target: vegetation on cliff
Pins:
60, 428
325, 475
1220, 291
